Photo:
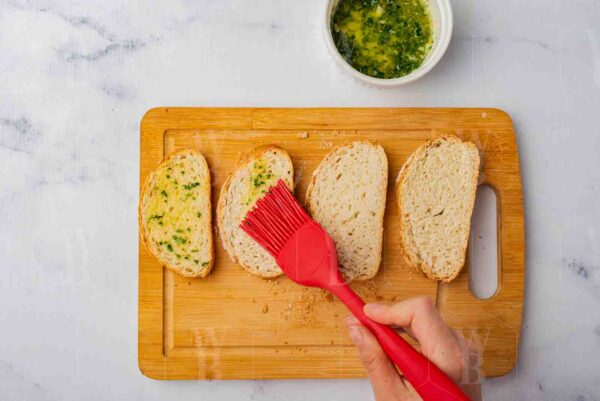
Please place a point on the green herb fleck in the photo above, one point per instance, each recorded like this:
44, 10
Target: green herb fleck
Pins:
258, 181
204, 264
191, 186
196, 261
169, 247
164, 193
156, 217
179, 240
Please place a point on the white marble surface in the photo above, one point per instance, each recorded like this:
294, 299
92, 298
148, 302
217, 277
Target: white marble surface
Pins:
76, 77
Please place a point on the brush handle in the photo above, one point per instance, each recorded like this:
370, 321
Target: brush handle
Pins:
428, 380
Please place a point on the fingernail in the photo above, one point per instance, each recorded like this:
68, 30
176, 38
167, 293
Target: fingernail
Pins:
373, 308
355, 333
350, 320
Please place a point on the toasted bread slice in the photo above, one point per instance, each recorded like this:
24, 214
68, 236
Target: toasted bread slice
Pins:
436, 194
346, 195
254, 175
175, 214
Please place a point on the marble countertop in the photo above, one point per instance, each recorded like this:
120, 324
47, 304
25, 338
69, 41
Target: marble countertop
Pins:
76, 77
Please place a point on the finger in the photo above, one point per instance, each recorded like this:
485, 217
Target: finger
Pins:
398, 329
418, 316
401, 330
385, 380
422, 318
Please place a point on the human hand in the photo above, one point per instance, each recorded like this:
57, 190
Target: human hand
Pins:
439, 343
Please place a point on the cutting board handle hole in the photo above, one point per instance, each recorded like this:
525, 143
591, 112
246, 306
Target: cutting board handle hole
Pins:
483, 245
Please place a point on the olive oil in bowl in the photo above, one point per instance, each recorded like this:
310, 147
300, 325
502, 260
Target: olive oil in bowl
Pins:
384, 39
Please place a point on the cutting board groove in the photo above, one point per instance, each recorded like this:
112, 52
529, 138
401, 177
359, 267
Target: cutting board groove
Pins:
232, 325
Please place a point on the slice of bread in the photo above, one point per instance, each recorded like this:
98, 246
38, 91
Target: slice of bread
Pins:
436, 194
255, 174
175, 214
346, 196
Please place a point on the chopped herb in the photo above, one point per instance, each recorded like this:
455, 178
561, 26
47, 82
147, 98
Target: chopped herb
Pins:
194, 250
178, 256
198, 214
187, 257
179, 230
179, 240
156, 217
383, 39
196, 261
182, 172
168, 176
164, 193
160, 223
169, 247
190, 186
258, 180
204, 263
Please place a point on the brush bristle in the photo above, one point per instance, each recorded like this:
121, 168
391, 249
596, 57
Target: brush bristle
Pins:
274, 218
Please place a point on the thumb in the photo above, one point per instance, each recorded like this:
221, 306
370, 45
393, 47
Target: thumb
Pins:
385, 380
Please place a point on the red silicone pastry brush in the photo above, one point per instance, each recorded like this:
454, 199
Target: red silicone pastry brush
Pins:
306, 254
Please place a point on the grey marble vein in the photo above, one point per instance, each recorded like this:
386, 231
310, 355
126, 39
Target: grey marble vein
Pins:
512, 40
18, 134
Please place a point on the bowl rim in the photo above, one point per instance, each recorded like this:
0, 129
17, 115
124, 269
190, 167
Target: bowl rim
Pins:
439, 48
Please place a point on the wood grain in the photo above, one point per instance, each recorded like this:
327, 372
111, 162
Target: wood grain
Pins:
232, 325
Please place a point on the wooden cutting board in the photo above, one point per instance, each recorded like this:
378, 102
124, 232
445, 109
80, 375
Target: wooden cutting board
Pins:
232, 325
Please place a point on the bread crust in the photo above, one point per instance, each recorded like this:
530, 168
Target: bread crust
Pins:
325, 163
254, 154
411, 258
142, 224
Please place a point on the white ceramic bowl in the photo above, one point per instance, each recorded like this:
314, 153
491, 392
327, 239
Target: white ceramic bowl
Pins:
441, 14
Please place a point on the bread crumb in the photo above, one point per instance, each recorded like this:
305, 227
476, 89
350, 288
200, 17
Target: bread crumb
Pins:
287, 311
325, 145
265, 308
302, 135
